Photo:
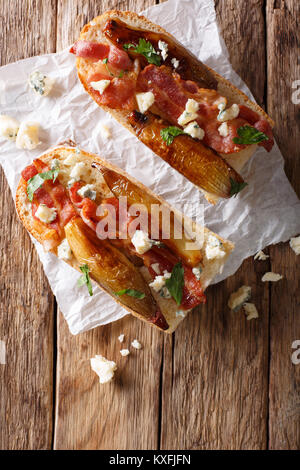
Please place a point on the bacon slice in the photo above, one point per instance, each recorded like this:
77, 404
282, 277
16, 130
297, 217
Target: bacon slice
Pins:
260, 124
118, 95
171, 94
90, 50
97, 51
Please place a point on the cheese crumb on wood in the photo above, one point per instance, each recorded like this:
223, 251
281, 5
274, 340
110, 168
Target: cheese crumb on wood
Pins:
295, 244
272, 277
250, 310
121, 338
238, 298
104, 368
261, 256
124, 352
136, 344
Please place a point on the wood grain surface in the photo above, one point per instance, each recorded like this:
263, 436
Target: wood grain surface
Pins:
220, 381
26, 302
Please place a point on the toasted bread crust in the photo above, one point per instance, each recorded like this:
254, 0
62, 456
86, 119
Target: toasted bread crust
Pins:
168, 308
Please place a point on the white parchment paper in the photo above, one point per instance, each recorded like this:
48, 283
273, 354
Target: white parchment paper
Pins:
267, 212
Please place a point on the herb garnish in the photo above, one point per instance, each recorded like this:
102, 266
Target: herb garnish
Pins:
146, 49
249, 135
169, 133
236, 187
105, 61
37, 181
132, 292
176, 282
85, 278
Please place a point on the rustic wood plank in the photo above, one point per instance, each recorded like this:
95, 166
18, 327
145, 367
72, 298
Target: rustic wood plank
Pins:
26, 319
123, 414
215, 374
283, 69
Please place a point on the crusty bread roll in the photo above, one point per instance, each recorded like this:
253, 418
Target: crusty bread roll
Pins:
68, 157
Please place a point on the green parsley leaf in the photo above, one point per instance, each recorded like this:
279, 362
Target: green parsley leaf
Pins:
85, 278
249, 135
236, 187
176, 282
146, 49
37, 181
121, 74
169, 133
105, 61
132, 292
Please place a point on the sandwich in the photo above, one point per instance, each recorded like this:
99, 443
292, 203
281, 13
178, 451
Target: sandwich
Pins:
152, 260
186, 113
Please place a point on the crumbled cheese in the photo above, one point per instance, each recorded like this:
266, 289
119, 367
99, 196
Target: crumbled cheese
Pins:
64, 251
100, 86
159, 285
46, 214
105, 131
180, 313
261, 256
141, 242
186, 117
175, 63
228, 114
238, 298
104, 368
144, 101
79, 171
121, 338
40, 83
250, 311
163, 46
295, 244
54, 164
191, 106
272, 277
223, 129
28, 136
136, 344
194, 130
197, 272
88, 191
124, 352
155, 267
190, 112
8, 127
213, 248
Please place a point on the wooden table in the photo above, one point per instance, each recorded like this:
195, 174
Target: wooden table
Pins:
219, 382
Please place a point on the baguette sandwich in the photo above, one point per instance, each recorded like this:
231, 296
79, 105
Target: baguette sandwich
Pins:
185, 112
100, 221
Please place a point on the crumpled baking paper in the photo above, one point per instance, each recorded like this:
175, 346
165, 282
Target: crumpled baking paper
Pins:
267, 212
